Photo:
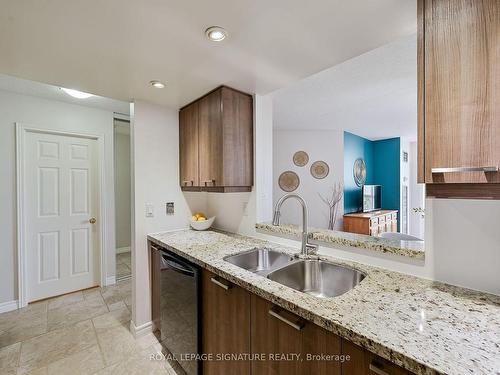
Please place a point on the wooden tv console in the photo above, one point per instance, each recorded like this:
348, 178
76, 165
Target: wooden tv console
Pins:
371, 223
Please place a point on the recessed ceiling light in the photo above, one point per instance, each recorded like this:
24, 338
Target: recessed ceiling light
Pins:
76, 94
216, 33
157, 84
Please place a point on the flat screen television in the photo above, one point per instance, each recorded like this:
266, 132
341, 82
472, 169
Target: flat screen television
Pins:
372, 198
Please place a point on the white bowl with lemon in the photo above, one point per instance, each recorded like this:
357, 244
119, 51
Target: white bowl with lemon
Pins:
200, 222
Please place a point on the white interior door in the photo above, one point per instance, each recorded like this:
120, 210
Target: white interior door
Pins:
61, 200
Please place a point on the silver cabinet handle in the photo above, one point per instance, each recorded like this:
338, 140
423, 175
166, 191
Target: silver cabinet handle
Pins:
297, 325
377, 370
220, 283
187, 182
464, 169
209, 182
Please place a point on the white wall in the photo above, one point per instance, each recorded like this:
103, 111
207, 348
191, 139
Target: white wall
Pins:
465, 242
404, 176
155, 180
122, 184
46, 114
417, 196
326, 145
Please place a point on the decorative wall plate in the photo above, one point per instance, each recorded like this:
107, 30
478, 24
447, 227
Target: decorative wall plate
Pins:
359, 172
288, 181
319, 169
300, 158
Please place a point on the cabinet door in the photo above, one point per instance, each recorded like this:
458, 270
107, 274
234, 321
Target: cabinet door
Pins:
188, 146
320, 351
237, 123
362, 362
461, 90
278, 337
226, 325
291, 345
210, 140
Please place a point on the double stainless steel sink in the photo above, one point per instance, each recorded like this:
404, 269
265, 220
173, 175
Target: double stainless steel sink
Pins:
312, 276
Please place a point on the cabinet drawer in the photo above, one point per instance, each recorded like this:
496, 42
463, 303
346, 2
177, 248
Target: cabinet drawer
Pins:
381, 219
394, 216
374, 221
363, 362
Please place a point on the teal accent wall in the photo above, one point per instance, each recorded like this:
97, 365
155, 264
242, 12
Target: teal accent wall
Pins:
356, 147
382, 160
387, 162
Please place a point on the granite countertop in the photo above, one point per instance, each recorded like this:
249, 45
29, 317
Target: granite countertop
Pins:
424, 326
412, 249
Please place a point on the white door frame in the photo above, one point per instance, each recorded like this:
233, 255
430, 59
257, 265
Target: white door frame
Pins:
21, 130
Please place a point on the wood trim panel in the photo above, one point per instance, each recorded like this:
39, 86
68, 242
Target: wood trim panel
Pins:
465, 191
420, 91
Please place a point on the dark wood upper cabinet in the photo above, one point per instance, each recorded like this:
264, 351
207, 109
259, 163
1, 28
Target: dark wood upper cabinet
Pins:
458, 95
216, 142
188, 138
210, 140
226, 325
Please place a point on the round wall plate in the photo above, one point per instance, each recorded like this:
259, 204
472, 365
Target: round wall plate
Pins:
319, 169
300, 158
288, 181
359, 172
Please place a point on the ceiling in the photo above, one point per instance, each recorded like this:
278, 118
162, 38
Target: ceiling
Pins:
373, 95
113, 48
42, 90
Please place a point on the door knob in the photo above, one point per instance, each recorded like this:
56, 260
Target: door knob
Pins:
92, 220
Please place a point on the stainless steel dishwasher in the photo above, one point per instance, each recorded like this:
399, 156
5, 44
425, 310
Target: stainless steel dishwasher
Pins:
180, 302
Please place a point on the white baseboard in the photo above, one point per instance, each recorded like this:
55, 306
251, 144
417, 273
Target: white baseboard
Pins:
110, 280
123, 278
141, 330
8, 306
122, 250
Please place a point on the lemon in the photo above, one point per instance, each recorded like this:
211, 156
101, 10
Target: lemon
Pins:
194, 218
201, 218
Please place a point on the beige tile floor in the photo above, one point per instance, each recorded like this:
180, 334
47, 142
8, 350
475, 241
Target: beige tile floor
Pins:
123, 265
86, 332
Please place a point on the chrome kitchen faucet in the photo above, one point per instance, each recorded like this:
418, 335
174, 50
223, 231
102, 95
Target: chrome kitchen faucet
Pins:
307, 248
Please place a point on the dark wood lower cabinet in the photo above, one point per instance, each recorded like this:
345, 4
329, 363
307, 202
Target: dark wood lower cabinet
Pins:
363, 362
273, 341
226, 326
276, 340
290, 344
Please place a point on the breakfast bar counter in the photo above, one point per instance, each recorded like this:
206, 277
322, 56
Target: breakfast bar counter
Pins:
423, 326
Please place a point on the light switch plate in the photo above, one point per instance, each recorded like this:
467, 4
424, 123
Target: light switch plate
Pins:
169, 208
150, 210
